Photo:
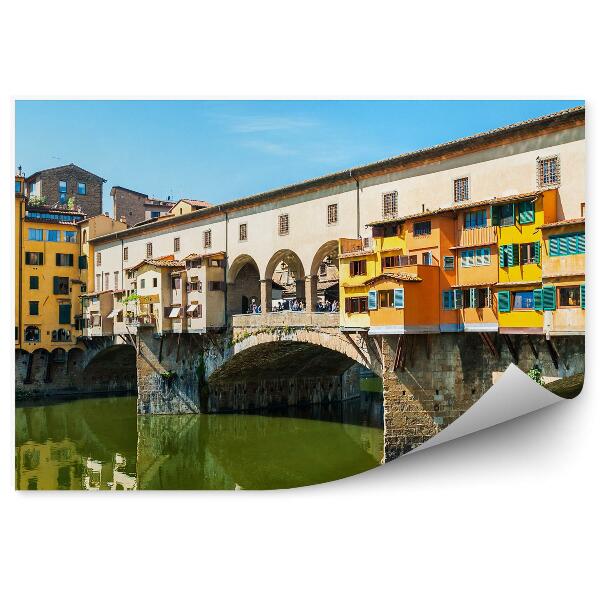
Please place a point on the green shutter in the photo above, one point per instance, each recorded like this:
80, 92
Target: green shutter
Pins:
503, 256
549, 297
514, 259
372, 299
526, 212
83, 262
553, 245
580, 242
495, 215
504, 301
473, 297
538, 299
56, 285
64, 314
537, 253
399, 298
582, 295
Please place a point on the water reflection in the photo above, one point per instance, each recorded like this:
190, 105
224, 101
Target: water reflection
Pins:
100, 444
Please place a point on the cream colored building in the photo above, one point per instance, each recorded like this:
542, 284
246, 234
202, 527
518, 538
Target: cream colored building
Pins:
302, 223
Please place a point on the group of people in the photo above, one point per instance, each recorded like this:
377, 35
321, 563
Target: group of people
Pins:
296, 305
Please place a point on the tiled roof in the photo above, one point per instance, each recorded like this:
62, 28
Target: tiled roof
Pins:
197, 203
577, 221
517, 283
458, 206
394, 276
195, 256
158, 262
357, 253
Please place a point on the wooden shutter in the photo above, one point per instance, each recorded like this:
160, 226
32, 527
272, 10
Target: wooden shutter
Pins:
488, 297
352, 269
536, 253
538, 299
372, 300
504, 256
399, 298
582, 295
504, 301
473, 297
458, 299
64, 314
580, 242
526, 212
549, 297
562, 245
514, 258
56, 285
377, 231
572, 244
348, 305
553, 245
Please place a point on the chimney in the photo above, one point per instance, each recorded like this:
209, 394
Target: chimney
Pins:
106, 214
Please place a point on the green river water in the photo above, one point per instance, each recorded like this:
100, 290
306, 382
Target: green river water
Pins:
100, 443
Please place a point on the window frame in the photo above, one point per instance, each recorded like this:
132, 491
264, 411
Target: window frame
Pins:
560, 289
176, 244
243, 232
513, 298
283, 224
541, 161
388, 295
38, 234
460, 191
149, 250
425, 232
207, 238
79, 192
389, 199
444, 263
332, 214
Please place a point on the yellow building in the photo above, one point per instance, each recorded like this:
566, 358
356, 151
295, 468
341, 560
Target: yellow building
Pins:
48, 282
19, 216
519, 295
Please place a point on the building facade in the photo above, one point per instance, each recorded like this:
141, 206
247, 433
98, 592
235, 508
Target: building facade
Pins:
68, 186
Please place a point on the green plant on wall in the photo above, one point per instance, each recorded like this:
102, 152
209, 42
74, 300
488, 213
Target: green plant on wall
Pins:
536, 374
71, 203
36, 200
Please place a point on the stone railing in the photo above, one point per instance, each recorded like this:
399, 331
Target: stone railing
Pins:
287, 319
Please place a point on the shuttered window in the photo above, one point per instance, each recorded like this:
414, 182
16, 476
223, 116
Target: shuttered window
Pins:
549, 297
526, 212
399, 298
504, 301
530, 253
82, 262
458, 299
64, 314
509, 255
372, 299
503, 215
356, 304
358, 267
61, 285
538, 299
582, 295
567, 243
448, 263
448, 302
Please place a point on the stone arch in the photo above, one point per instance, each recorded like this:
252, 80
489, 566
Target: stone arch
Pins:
290, 258
22, 358
285, 273
243, 284
40, 363
75, 359
112, 369
323, 282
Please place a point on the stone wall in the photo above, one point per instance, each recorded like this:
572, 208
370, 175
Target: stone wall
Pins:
128, 205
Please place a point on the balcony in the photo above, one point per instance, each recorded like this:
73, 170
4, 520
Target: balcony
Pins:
479, 236
348, 245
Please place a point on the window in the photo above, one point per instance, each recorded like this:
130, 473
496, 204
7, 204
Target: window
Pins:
390, 204
116, 276
448, 263
154, 214
567, 243
422, 228
32, 188
155, 282
142, 283
17, 187
36, 235
482, 257
85, 236
389, 262
467, 258
476, 219
32, 334
427, 258
530, 253
34, 258
507, 215
106, 281
194, 285
34, 308
34, 282
62, 191
523, 300
526, 212
53, 235
358, 267
64, 260
509, 255
548, 171
243, 232
569, 297
208, 239
125, 253
332, 214
284, 224
176, 244
149, 250
81, 188
98, 259
176, 283
82, 262
461, 189
452, 299
476, 298
216, 286
61, 285
64, 314
386, 298
71, 237
98, 282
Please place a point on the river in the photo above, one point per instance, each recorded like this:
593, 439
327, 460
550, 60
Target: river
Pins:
101, 444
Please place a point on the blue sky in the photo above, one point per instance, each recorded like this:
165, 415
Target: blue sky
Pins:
222, 150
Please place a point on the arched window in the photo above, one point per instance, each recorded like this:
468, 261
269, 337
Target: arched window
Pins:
84, 236
62, 335
32, 334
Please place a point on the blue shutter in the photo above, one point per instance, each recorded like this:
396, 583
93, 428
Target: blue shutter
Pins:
572, 244
504, 301
372, 299
562, 245
399, 298
580, 242
553, 245
549, 297
458, 299
64, 314
538, 299
448, 300
582, 295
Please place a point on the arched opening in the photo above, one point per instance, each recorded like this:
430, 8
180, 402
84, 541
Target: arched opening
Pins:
112, 370
284, 286
22, 361
74, 359
323, 289
243, 287
32, 333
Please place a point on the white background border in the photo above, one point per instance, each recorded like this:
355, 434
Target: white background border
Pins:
510, 512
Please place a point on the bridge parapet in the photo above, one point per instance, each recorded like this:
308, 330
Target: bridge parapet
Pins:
302, 319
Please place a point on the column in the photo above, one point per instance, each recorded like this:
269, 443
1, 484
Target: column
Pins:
300, 290
311, 292
266, 294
